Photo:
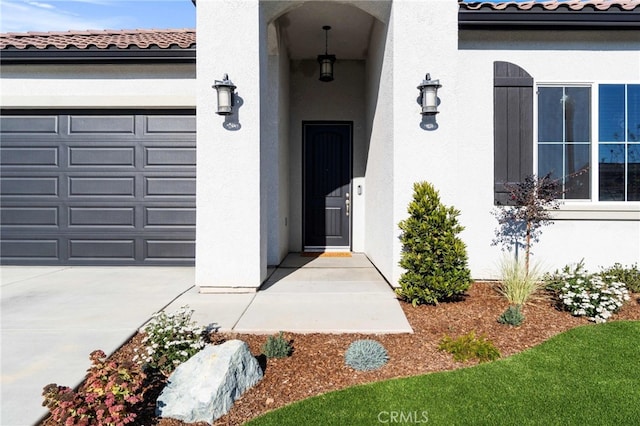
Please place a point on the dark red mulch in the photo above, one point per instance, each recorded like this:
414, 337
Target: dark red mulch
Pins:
317, 364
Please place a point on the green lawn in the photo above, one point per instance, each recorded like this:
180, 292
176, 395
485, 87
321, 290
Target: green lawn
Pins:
587, 376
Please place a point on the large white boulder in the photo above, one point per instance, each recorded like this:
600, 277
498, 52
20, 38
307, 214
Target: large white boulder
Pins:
204, 388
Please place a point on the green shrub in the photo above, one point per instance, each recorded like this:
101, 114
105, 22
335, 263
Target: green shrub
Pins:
434, 258
276, 347
468, 346
512, 316
629, 275
108, 396
516, 284
364, 355
171, 339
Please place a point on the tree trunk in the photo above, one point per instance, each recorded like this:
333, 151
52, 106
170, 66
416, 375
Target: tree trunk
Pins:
527, 248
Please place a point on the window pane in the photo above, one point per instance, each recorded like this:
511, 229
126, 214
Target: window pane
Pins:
550, 160
577, 171
550, 114
577, 113
611, 109
633, 173
633, 112
611, 172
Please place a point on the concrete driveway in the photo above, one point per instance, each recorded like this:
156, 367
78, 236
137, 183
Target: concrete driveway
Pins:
54, 317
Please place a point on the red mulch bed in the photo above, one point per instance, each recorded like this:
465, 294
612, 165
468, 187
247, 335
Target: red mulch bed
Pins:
317, 364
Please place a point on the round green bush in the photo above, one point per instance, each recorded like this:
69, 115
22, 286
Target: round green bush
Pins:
363, 355
512, 316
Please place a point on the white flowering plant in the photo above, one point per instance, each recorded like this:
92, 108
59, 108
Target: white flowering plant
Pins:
170, 339
583, 294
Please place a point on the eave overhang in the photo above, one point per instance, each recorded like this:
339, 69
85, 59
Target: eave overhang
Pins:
96, 55
539, 18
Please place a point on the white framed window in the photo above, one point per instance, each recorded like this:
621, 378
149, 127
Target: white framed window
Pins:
619, 142
588, 137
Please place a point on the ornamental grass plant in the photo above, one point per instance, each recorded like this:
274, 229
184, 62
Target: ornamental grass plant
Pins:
517, 284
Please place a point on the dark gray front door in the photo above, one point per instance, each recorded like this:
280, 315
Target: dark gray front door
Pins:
97, 187
327, 185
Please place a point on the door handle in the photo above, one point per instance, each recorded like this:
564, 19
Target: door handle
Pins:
347, 203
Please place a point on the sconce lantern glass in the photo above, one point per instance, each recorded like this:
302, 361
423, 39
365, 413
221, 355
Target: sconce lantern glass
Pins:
225, 89
429, 94
326, 61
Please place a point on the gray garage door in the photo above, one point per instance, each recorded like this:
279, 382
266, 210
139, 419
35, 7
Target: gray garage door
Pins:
97, 187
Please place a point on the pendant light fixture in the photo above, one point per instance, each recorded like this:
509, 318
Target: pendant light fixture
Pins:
326, 61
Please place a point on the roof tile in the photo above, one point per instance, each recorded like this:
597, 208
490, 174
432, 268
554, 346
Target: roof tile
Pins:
101, 39
553, 4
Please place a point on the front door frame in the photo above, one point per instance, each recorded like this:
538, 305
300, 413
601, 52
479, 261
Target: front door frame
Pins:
305, 124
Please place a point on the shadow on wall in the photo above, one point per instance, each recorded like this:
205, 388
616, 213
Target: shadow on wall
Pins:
232, 121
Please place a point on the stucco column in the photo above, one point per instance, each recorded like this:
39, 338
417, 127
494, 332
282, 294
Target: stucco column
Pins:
230, 253
424, 41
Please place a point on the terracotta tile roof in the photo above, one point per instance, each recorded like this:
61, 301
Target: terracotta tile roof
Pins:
552, 14
103, 39
577, 5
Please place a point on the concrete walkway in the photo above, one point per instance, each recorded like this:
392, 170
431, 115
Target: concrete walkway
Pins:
53, 317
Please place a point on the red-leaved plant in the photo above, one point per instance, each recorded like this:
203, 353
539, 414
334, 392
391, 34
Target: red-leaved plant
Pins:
107, 397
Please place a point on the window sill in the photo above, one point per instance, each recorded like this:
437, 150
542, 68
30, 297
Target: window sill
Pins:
597, 211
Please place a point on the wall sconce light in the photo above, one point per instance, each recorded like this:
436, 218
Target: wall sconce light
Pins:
225, 89
429, 94
326, 61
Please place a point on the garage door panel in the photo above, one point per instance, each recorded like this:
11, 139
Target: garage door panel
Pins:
20, 157
170, 216
102, 186
107, 124
170, 156
102, 217
28, 216
165, 186
170, 124
23, 186
102, 156
29, 124
109, 188
165, 249
29, 249
121, 249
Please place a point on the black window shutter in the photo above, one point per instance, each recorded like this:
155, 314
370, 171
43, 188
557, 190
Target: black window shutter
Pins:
512, 127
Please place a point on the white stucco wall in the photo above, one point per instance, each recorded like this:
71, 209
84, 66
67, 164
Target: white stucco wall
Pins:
378, 191
231, 211
424, 41
457, 157
275, 147
550, 57
98, 86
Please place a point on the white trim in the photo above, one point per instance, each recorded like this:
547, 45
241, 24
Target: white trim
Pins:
619, 210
